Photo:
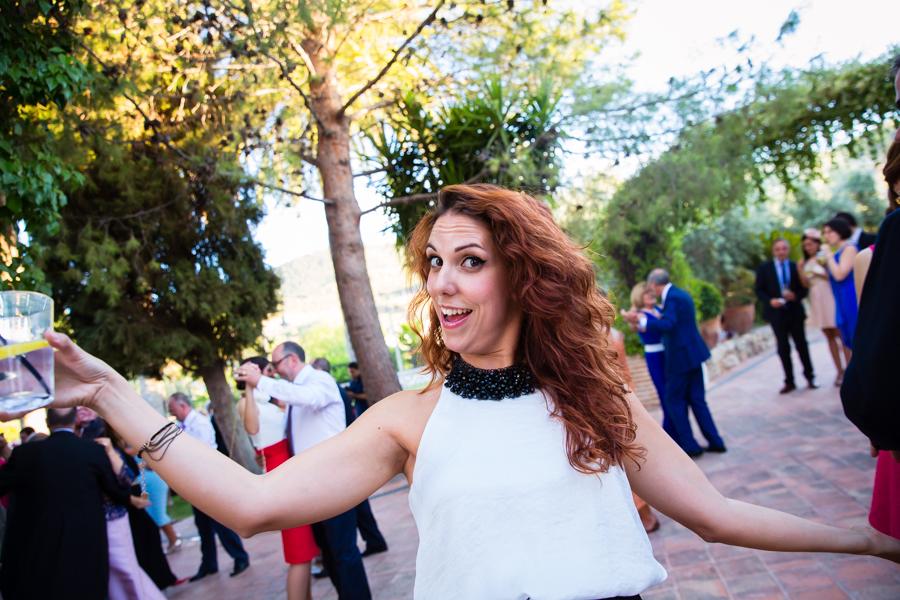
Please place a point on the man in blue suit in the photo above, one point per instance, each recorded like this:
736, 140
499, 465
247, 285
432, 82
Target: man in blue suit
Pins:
685, 353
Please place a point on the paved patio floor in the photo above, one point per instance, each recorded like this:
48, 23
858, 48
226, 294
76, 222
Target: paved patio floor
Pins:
796, 453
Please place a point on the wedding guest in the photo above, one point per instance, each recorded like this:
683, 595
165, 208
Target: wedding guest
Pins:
365, 519
779, 288
89, 426
200, 428
356, 390
869, 390
643, 300
25, 434
814, 277
840, 271
266, 423
55, 491
150, 555
685, 354
520, 484
315, 414
127, 580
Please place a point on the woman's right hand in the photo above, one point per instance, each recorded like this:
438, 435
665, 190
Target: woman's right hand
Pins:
139, 503
79, 376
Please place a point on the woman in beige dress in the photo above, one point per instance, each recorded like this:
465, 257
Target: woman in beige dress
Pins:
821, 299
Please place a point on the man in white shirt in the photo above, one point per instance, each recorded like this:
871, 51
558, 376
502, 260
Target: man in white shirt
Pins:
315, 413
199, 426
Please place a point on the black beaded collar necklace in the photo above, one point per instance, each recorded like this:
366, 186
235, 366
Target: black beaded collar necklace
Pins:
473, 383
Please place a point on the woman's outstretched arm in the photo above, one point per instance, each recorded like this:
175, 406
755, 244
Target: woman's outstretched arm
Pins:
674, 485
324, 481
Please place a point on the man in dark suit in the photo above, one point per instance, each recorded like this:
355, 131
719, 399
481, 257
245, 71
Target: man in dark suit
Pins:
685, 354
55, 544
779, 289
365, 520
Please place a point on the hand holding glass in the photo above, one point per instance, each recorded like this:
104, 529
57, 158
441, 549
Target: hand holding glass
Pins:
26, 359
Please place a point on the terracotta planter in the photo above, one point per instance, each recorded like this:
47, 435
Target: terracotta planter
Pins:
740, 318
709, 330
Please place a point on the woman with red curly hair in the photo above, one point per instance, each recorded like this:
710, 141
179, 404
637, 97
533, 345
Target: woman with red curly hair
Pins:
522, 453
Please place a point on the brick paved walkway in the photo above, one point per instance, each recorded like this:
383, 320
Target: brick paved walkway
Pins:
796, 453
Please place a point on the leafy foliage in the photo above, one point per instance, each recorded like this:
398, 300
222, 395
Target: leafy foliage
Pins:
738, 288
493, 135
39, 76
151, 266
707, 298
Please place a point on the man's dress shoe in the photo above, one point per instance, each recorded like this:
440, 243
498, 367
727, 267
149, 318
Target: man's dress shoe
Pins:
203, 573
790, 387
377, 550
239, 568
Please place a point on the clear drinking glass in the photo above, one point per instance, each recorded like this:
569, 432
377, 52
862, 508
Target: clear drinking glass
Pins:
26, 359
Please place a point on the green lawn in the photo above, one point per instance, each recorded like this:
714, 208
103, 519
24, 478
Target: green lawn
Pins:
180, 509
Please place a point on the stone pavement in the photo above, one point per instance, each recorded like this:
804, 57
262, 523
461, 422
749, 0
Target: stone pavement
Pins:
796, 453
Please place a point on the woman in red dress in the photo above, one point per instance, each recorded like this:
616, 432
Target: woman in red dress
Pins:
265, 421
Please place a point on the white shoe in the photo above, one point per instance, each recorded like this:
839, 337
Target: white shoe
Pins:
174, 547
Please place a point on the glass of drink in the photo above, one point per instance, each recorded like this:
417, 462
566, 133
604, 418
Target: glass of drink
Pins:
820, 256
26, 359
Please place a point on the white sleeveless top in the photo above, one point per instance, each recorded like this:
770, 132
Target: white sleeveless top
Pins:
272, 422
502, 515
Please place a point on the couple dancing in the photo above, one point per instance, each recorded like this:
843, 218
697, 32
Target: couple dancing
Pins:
521, 454
675, 353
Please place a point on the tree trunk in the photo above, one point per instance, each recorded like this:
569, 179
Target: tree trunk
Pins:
226, 416
347, 254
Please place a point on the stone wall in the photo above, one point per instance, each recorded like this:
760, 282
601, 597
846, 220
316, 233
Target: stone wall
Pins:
731, 353
725, 355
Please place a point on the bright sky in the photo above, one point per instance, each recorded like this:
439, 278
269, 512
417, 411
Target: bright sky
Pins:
671, 38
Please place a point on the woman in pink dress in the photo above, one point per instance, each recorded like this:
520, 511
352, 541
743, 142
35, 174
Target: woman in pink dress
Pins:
814, 277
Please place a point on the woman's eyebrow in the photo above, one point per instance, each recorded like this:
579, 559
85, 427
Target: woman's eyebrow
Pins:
472, 245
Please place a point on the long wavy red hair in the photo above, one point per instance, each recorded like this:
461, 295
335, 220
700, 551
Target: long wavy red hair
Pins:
566, 323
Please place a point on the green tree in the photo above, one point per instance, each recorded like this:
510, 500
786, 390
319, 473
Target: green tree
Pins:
154, 263
39, 76
494, 134
785, 128
316, 76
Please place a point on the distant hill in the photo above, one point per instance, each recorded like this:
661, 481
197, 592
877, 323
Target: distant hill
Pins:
309, 290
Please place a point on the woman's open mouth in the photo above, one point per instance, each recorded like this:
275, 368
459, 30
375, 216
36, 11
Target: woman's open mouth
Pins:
454, 317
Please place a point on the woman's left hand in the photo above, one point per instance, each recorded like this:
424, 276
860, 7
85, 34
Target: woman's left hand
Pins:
79, 376
881, 545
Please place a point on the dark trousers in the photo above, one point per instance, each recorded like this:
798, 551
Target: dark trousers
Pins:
794, 329
209, 528
656, 365
336, 538
368, 528
685, 390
